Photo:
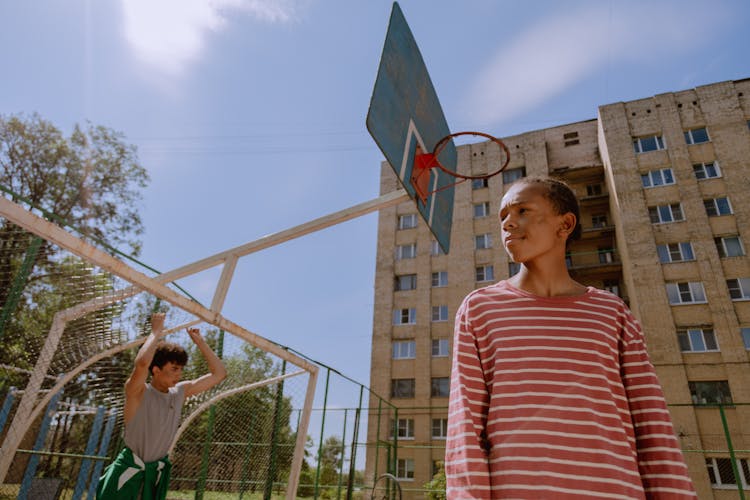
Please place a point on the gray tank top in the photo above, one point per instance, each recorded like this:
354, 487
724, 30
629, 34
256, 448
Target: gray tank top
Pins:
150, 432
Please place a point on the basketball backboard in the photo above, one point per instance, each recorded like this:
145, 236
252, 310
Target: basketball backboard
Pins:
405, 118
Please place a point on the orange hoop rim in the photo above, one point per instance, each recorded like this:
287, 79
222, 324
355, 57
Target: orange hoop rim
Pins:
442, 143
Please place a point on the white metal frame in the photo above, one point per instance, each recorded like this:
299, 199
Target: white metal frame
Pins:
30, 405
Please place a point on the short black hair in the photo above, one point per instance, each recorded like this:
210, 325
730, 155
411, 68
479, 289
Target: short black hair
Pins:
166, 352
562, 197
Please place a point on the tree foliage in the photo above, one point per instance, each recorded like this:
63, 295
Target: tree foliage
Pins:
91, 179
436, 486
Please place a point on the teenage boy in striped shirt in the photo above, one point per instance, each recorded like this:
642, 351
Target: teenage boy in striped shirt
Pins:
552, 391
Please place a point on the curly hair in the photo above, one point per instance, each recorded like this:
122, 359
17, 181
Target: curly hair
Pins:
561, 196
166, 352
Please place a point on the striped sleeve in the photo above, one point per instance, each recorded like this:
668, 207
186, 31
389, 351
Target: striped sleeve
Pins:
466, 465
660, 461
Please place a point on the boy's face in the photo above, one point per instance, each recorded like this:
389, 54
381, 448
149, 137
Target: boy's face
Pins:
168, 375
530, 226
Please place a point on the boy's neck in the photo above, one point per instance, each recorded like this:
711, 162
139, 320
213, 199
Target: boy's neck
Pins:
159, 387
553, 283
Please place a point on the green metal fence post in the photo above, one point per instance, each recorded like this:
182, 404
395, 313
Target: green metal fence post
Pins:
353, 454
271, 476
201, 486
19, 282
322, 429
248, 452
377, 442
343, 455
394, 464
735, 469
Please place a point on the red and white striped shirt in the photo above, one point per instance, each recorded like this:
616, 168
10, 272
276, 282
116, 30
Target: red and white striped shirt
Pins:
556, 398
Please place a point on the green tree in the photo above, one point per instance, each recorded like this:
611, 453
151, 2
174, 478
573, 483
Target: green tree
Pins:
92, 179
436, 486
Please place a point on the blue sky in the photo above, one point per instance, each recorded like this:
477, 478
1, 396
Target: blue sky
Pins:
249, 116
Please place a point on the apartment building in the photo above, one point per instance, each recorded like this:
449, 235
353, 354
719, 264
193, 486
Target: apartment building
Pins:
663, 184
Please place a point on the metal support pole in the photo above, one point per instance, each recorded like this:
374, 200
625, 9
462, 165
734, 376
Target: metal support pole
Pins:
28, 476
377, 442
248, 453
19, 282
7, 405
355, 438
735, 469
343, 455
103, 446
271, 476
201, 486
322, 429
83, 472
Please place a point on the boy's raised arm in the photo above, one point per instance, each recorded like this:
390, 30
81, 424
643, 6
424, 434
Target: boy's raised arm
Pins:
135, 384
215, 367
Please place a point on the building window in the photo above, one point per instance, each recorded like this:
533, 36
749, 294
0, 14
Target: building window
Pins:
485, 273
656, 178
697, 340
436, 249
686, 293
571, 139
612, 286
708, 170
729, 246
721, 473
482, 209
739, 288
650, 143
594, 190
599, 220
479, 183
666, 213
745, 337
512, 175
696, 135
606, 255
439, 348
439, 279
675, 252
482, 241
439, 428
513, 268
717, 206
710, 392
404, 349
406, 251
439, 313
405, 469
407, 221
402, 388
440, 387
404, 316
406, 282
404, 427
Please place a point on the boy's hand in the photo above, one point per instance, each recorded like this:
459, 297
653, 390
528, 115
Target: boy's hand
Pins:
157, 323
195, 334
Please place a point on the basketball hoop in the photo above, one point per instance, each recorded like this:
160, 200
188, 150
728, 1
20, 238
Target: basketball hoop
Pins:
424, 162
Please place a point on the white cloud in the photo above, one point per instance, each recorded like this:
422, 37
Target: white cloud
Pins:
167, 35
557, 52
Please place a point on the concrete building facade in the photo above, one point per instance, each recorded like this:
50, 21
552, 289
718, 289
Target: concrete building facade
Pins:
663, 184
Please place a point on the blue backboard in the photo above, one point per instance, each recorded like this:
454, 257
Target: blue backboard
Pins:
405, 113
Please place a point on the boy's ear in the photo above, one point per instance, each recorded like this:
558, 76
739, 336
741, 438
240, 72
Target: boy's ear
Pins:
568, 224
